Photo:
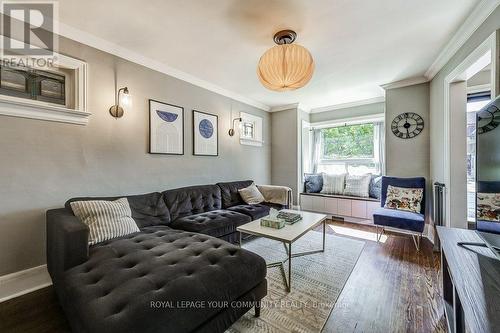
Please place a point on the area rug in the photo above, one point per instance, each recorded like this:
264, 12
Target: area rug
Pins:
317, 281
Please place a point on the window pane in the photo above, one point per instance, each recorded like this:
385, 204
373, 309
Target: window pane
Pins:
362, 169
335, 169
347, 142
27, 83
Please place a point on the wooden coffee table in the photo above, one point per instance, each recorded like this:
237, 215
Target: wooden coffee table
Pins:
287, 235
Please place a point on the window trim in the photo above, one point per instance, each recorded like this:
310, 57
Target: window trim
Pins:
34, 109
347, 160
257, 139
371, 119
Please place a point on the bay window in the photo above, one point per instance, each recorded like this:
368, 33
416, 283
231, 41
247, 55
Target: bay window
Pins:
349, 148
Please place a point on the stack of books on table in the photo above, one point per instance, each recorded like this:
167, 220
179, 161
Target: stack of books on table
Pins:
272, 222
289, 218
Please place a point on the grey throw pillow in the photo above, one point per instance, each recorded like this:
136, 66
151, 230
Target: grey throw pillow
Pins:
357, 186
313, 182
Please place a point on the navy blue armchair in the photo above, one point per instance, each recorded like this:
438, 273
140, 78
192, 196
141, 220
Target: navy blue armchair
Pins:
409, 222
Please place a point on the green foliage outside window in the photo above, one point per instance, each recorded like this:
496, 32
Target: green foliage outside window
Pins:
346, 142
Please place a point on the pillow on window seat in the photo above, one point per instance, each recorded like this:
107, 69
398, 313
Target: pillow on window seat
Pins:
333, 184
375, 190
358, 186
402, 198
313, 182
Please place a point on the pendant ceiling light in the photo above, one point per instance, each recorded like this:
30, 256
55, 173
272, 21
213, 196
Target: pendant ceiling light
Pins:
285, 66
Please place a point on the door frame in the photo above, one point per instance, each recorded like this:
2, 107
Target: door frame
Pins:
487, 51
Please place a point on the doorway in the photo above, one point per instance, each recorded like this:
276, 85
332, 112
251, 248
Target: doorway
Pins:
462, 90
478, 95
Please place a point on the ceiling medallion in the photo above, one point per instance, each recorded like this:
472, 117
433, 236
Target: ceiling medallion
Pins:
285, 66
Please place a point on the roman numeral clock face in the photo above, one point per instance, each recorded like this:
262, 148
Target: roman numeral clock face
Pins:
488, 120
407, 125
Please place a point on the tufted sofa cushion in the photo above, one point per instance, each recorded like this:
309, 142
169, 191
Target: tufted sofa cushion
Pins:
230, 195
116, 289
147, 209
216, 223
192, 200
254, 211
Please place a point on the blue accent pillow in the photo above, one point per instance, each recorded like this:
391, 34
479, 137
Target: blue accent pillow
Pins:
313, 182
375, 188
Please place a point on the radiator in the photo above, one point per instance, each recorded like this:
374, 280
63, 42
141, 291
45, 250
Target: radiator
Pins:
439, 192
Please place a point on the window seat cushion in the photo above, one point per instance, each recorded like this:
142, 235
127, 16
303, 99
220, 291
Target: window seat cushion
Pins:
399, 219
340, 196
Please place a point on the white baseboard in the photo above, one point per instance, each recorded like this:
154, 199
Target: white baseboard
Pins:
23, 282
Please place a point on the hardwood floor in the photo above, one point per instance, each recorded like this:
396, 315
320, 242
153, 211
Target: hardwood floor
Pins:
393, 288
38, 311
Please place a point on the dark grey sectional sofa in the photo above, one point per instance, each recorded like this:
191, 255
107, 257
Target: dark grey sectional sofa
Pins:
180, 273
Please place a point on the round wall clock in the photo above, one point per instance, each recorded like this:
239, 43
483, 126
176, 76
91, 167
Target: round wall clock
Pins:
407, 125
488, 120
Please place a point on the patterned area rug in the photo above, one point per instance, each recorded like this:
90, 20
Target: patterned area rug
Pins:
317, 281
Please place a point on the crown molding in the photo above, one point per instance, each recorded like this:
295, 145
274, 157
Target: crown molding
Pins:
284, 107
468, 27
374, 100
405, 83
127, 54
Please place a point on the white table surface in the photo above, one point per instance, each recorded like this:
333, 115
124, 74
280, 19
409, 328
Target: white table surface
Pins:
290, 232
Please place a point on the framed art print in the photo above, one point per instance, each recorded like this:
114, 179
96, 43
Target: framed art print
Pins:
205, 134
166, 128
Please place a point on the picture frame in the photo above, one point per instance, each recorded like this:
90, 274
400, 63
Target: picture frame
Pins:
166, 128
205, 134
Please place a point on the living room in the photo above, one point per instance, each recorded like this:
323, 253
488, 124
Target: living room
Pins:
154, 157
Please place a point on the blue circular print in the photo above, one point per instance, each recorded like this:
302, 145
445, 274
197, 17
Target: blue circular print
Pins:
206, 128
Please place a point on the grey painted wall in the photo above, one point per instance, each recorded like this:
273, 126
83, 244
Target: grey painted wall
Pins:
285, 148
356, 111
42, 164
407, 157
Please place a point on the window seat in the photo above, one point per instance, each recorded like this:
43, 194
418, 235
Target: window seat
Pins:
341, 196
341, 207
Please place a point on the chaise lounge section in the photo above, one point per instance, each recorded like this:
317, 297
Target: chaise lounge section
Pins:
178, 274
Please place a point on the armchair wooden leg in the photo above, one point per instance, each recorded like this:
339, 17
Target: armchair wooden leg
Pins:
257, 309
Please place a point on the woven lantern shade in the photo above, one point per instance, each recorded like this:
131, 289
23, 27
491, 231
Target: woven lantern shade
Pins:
285, 67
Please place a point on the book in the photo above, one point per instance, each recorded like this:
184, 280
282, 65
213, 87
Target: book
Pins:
272, 222
289, 218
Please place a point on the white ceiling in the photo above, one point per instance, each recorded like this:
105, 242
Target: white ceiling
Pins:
357, 44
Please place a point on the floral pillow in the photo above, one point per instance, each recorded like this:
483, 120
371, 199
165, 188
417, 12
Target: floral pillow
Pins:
488, 207
401, 198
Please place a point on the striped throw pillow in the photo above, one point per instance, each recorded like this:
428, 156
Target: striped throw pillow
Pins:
105, 219
333, 184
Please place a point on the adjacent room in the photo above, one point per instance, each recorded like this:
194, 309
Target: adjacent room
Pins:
266, 166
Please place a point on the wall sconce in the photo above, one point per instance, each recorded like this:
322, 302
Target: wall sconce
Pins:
231, 131
125, 101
